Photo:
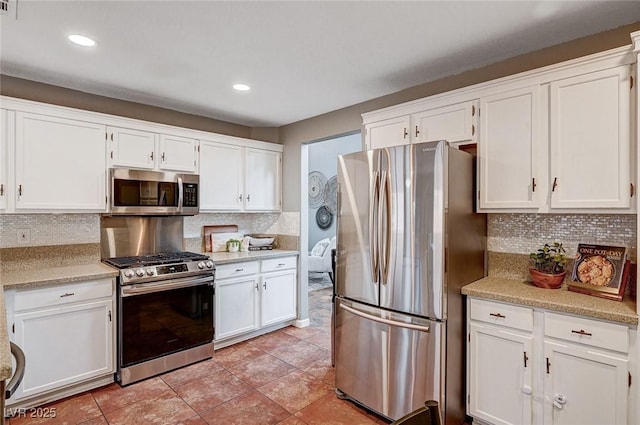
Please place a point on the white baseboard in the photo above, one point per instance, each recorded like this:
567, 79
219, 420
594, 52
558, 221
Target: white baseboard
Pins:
302, 323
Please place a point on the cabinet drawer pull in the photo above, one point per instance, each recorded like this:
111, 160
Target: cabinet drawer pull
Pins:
1, 189
498, 315
417, 131
581, 332
555, 184
281, 264
152, 156
239, 270
67, 294
264, 285
405, 134
257, 286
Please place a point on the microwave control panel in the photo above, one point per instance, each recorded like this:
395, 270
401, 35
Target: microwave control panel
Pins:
190, 191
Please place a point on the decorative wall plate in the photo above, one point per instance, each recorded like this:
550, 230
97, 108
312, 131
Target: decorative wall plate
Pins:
330, 194
324, 218
317, 183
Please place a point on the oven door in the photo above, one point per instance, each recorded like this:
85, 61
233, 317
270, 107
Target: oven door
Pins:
161, 318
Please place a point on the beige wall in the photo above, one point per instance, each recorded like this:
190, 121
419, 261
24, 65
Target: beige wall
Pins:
349, 119
40, 92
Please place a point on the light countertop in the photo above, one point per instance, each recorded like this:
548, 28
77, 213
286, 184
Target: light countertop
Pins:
562, 300
47, 276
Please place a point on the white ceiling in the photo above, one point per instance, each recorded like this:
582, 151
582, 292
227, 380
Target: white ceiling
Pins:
301, 58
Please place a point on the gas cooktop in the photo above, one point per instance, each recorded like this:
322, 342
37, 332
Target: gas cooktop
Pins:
155, 259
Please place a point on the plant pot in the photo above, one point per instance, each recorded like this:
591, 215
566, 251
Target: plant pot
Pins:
546, 280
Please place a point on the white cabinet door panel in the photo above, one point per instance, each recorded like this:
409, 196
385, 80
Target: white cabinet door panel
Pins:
278, 297
221, 177
64, 345
391, 132
4, 140
262, 180
60, 164
236, 303
594, 385
453, 123
590, 140
500, 374
132, 148
178, 153
508, 151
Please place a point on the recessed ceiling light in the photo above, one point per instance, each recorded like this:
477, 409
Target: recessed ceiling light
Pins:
82, 40
241, 87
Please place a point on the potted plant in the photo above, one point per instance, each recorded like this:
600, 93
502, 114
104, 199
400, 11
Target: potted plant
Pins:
233, 245
547, 266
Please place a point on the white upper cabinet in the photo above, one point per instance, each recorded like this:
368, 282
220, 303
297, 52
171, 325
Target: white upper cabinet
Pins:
454, 123
424, 122
60, 164
239, 178
150, 151
4, 185
221, 177
590, 140
131, 148
178, 154
509, 168
389, 132
263, 180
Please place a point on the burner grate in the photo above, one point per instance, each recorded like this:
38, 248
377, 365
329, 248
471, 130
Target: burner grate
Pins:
154, 259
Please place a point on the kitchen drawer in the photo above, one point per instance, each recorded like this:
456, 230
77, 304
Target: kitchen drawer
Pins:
236, 269
282, 263
586, 331
501, 314
26, 299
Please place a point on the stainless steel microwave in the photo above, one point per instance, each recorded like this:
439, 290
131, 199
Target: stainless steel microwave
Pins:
140, 192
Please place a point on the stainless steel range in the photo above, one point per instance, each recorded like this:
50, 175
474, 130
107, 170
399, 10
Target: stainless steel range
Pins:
165, 298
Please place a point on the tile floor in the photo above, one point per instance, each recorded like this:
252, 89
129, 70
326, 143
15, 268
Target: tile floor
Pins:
284, 377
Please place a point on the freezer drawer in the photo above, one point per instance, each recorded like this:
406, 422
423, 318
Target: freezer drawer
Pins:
386, 361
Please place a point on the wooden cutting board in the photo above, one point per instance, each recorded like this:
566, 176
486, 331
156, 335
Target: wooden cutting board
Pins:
220, 228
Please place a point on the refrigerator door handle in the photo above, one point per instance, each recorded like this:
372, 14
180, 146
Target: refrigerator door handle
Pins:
373, 221
384, 226
382, 320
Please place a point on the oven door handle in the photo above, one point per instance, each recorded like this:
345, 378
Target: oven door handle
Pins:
148, 288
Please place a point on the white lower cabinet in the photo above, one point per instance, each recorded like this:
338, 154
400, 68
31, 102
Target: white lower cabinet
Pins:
66, 333
253, 295
565, 370
236, 306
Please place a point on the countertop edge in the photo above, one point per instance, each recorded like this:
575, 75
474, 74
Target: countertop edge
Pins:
237, 257
561, 300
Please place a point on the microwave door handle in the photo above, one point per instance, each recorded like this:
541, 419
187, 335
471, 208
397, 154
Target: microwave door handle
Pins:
180, 193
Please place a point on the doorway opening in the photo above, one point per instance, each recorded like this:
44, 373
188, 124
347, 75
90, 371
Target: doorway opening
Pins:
319, 165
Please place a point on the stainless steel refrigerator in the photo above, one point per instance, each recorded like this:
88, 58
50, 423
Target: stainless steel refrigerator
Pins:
408, 240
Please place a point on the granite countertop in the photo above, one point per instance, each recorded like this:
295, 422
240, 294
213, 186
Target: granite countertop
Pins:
236, 257
561, 300
47, 276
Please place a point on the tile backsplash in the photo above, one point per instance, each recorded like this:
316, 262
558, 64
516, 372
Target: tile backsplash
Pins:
50, 229
71, 229
524, 233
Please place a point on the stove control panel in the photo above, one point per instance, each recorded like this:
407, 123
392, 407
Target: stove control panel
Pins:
160, 272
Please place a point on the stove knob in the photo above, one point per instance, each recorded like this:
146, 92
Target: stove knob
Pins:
201, 265
129, 273
209, 264
151, 272
140, 272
